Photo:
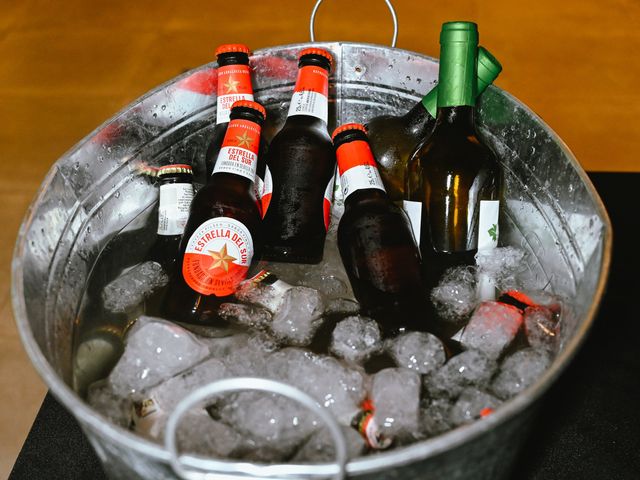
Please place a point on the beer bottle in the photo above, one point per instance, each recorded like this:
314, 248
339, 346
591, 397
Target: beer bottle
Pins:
224, 228
393, 138
375, 240
176, 194
296, 200
234, 84
454, 180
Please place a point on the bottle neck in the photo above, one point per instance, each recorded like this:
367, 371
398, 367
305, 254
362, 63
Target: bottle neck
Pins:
457, 77
357, 166
311, 93
176, 194
234, 83
418, 118
238, 156
458, 119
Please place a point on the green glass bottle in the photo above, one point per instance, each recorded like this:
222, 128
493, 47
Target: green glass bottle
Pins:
454, 180
394, 137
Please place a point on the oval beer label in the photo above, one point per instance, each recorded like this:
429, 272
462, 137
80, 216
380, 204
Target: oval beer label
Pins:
218, 256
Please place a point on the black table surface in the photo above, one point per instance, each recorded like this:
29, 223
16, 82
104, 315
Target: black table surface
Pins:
589, 423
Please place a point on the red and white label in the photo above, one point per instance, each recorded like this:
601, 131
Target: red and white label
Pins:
267, 191
310, 96
234, 83
239, 152
173, 212
357, 167
218, 256
328, 201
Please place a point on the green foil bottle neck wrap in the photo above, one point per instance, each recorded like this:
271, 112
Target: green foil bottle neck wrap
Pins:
488, 70
458, 72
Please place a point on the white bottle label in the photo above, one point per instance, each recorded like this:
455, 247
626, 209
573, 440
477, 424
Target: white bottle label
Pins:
309, 103
414, 212
173, 212
311, 93
488, 224
360, 177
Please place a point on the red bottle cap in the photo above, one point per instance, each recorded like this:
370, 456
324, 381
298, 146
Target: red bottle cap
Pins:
249, 104
346, 127
233, 47
316, 51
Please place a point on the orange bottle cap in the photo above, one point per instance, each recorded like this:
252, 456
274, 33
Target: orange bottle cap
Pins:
316, 51
233, 47
346, 127
250, 104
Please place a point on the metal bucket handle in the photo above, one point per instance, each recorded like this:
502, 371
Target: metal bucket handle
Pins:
394, 18
209, 469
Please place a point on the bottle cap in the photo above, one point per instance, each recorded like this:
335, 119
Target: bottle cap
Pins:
233, 48
316, 51
250, 104
174, 168
488, 67
459, 32
347, 127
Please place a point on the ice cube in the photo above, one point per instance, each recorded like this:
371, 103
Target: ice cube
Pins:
520, 371
248, 360
342, 306
221, 347
492, 328
471, 405
320, 446
501, 264
138, 283
470, 368
541, 327
355, 339
272, 426
335, 386
419, 351
265, 290
434, 419
395, 394
156, 403
455, 296
155, 350
246, 315
104, 400
199, 434
298, 316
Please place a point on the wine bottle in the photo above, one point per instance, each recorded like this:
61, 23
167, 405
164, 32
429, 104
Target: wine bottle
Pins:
454, 180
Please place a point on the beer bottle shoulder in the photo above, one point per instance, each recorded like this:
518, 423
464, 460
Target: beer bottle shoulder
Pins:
221, 198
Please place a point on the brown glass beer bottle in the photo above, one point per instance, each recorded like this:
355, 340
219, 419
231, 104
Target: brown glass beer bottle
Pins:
375, 240
223, 232
234, 84
298, 189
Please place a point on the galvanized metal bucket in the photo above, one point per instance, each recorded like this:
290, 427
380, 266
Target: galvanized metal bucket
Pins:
92, 192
